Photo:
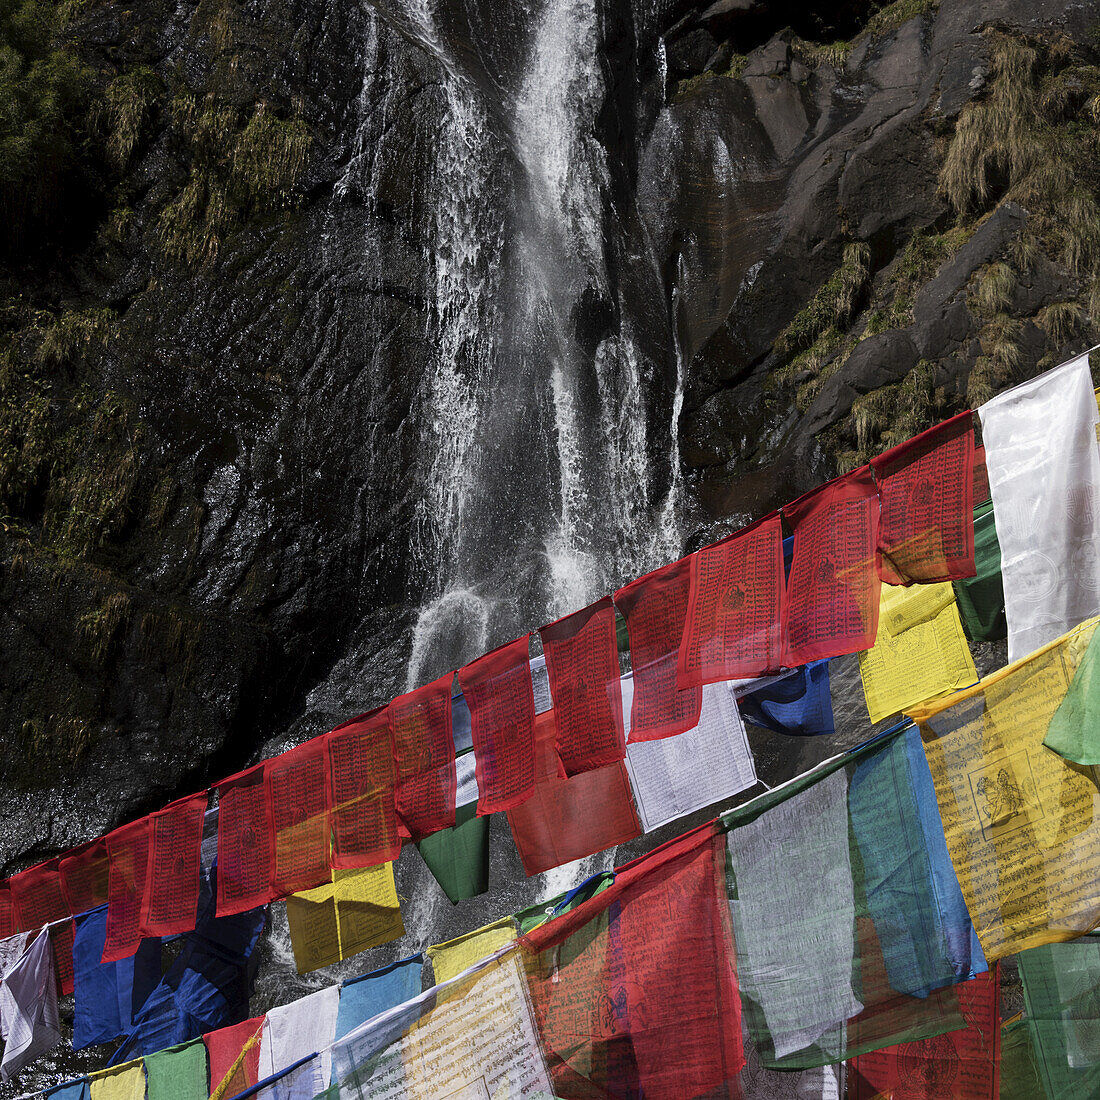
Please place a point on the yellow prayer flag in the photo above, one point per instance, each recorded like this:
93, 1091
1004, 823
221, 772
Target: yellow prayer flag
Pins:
1021, 822
124, 1082
920, 650
357, 910
454, 956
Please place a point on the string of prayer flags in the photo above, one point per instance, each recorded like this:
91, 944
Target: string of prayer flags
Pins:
497, 688
170, 902
297, 810
926, 489
38, 900
1074, 730
799, 703
234, 1054
362, 778
679, 775
370, 995
84, 877
1061, 984
582, 660
981, 598
735, 617
453, 957
178, 1073
654, 952
654, 608
567, 819
833, 588
28, 1008
244, 843
125, 1082
1019, 820
920, 650
958, 1065
1044, 475
420, 723
297, 1030
355, 911
458, 858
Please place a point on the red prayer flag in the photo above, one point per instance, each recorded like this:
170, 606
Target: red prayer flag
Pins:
361, 791
655, 607
223, 1048
959, 1065
582, 661
37, 900
297, 810
566, 819
244, 843
7, 912
420, 723
926, 532
734, 626
128, 850
833, 589
981, 477
84, 876
497, 688
172, 897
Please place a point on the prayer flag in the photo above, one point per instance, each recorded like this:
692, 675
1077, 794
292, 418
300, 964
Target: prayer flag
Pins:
679, 775
296, 1030
71, 1090
28, 1008
1019, 1065
799, 703
38, 899
178, 1073
958, 1065
84, 877
170, 903
736, 610
234, 1054
534, 915
355, 911
369, 995
981, 598
654, 608
458, 858
980, 479
1044, 474
919, 652
566, 819
8, 920
128, 850
498, 691
582, 659
453, 957
297, 810
362, 776
760, 1083
245, 855
1074, 730
926, 485
1019, 820
424, 742
126, 1082
833, 588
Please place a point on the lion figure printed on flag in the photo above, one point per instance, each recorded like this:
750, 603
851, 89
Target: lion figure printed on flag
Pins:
1003, 797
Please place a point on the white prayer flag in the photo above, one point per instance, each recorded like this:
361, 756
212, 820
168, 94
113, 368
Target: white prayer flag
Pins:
28, 1007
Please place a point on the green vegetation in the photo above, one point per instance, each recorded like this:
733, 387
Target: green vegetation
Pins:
886, 19
103, 625
834, 303
128, 105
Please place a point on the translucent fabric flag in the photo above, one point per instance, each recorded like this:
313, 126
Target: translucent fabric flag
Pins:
71, 1090
362, 778
458, 858
420, 723
474, 1037
1074, 730
760, 1083
28, 1008
128, 849
38, 899
8, 918
635, 991
654, 608
365, 997
980, 479
170, 903
1019, 820
453, 957
245, 854
567, 819
178, 1073
1062, 1014
497, 689
234, 1054
126, 1082
799, 703
84, 876
357, 910
981, 599
959, 1065
920, 650
833, 587
872, 944
1019, 1064
539, 913
1044, 474
582, 659
296, 1030
735, 616
297, 810
679, 775
926, 486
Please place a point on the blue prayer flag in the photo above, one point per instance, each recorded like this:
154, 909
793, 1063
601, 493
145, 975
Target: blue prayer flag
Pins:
798, 704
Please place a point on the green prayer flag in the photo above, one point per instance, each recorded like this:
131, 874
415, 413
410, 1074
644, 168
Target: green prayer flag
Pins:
1074, 730
534, 915
981, 598
1019, 1068
178, 1073
459, 857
